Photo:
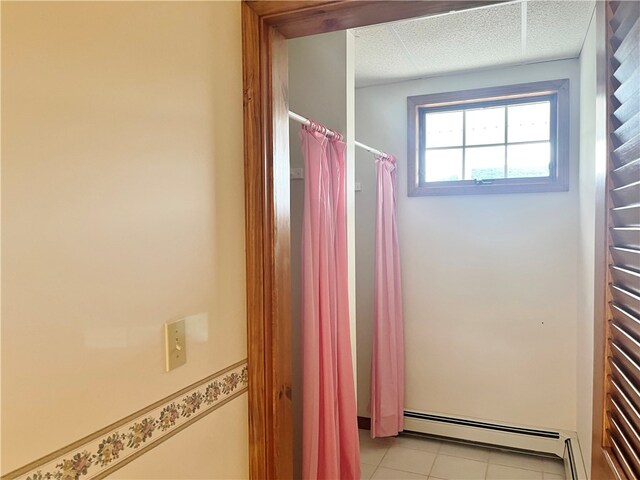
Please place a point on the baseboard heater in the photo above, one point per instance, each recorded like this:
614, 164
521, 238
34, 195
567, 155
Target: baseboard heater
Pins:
570, 466
485, 425
516, 437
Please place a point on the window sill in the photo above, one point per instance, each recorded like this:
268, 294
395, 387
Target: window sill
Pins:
469, 187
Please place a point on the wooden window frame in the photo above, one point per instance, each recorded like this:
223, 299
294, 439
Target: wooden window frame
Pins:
265, 27
557, 181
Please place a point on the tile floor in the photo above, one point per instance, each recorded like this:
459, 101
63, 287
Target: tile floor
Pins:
412, 457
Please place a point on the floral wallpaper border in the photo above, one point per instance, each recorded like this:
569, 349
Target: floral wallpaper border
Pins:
99, 454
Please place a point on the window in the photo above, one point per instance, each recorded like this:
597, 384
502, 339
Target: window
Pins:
511, 139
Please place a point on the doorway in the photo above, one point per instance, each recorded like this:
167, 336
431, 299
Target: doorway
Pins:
266, 28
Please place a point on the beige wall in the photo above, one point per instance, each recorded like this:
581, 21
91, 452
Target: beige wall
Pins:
122, 208
489, 280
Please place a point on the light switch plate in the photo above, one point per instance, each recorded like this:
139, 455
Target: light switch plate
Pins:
296, 174
175, 345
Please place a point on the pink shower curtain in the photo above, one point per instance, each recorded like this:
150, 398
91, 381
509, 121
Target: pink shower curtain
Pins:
387, 362
329, 426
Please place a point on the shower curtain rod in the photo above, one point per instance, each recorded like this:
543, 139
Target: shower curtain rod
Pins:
305, 121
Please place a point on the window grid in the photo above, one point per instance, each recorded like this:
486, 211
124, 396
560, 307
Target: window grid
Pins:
464, 141
487, 104
506, 138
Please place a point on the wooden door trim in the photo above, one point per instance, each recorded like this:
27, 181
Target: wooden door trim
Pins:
600, 466
265, 27
302, 18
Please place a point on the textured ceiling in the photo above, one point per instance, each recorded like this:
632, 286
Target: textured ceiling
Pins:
506, 34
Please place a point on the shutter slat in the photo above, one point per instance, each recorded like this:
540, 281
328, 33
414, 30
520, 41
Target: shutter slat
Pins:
628, 216
628, 151
631, 39
627, 456
626, 194
628, 129
625, 300
626, 257
627, 413
629, 85
624, 70
630, 323
629, 107
628, 237
617, 451
626, 15
627, 363
625, 429
629, 345
626, 174
624, 381
626, 279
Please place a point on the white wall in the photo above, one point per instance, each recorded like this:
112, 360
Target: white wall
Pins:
587, 241
321, 87
489, 280
122, 208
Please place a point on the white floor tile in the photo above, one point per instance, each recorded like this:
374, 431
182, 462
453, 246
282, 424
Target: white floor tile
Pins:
513, 459
383, 473
418, 443
456, 468
371, 454
408, 460
366, 471
464, 451
553, 466
365, 437
502, 472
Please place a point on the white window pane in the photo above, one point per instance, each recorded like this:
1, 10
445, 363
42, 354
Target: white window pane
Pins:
483, 163
529, 122
528, 160
443, 129
484, 125
443, 165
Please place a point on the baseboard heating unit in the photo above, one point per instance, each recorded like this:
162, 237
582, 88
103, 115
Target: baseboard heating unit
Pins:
563, 444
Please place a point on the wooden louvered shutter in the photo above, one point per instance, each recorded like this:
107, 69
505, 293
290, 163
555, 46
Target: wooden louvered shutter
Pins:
622, 416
